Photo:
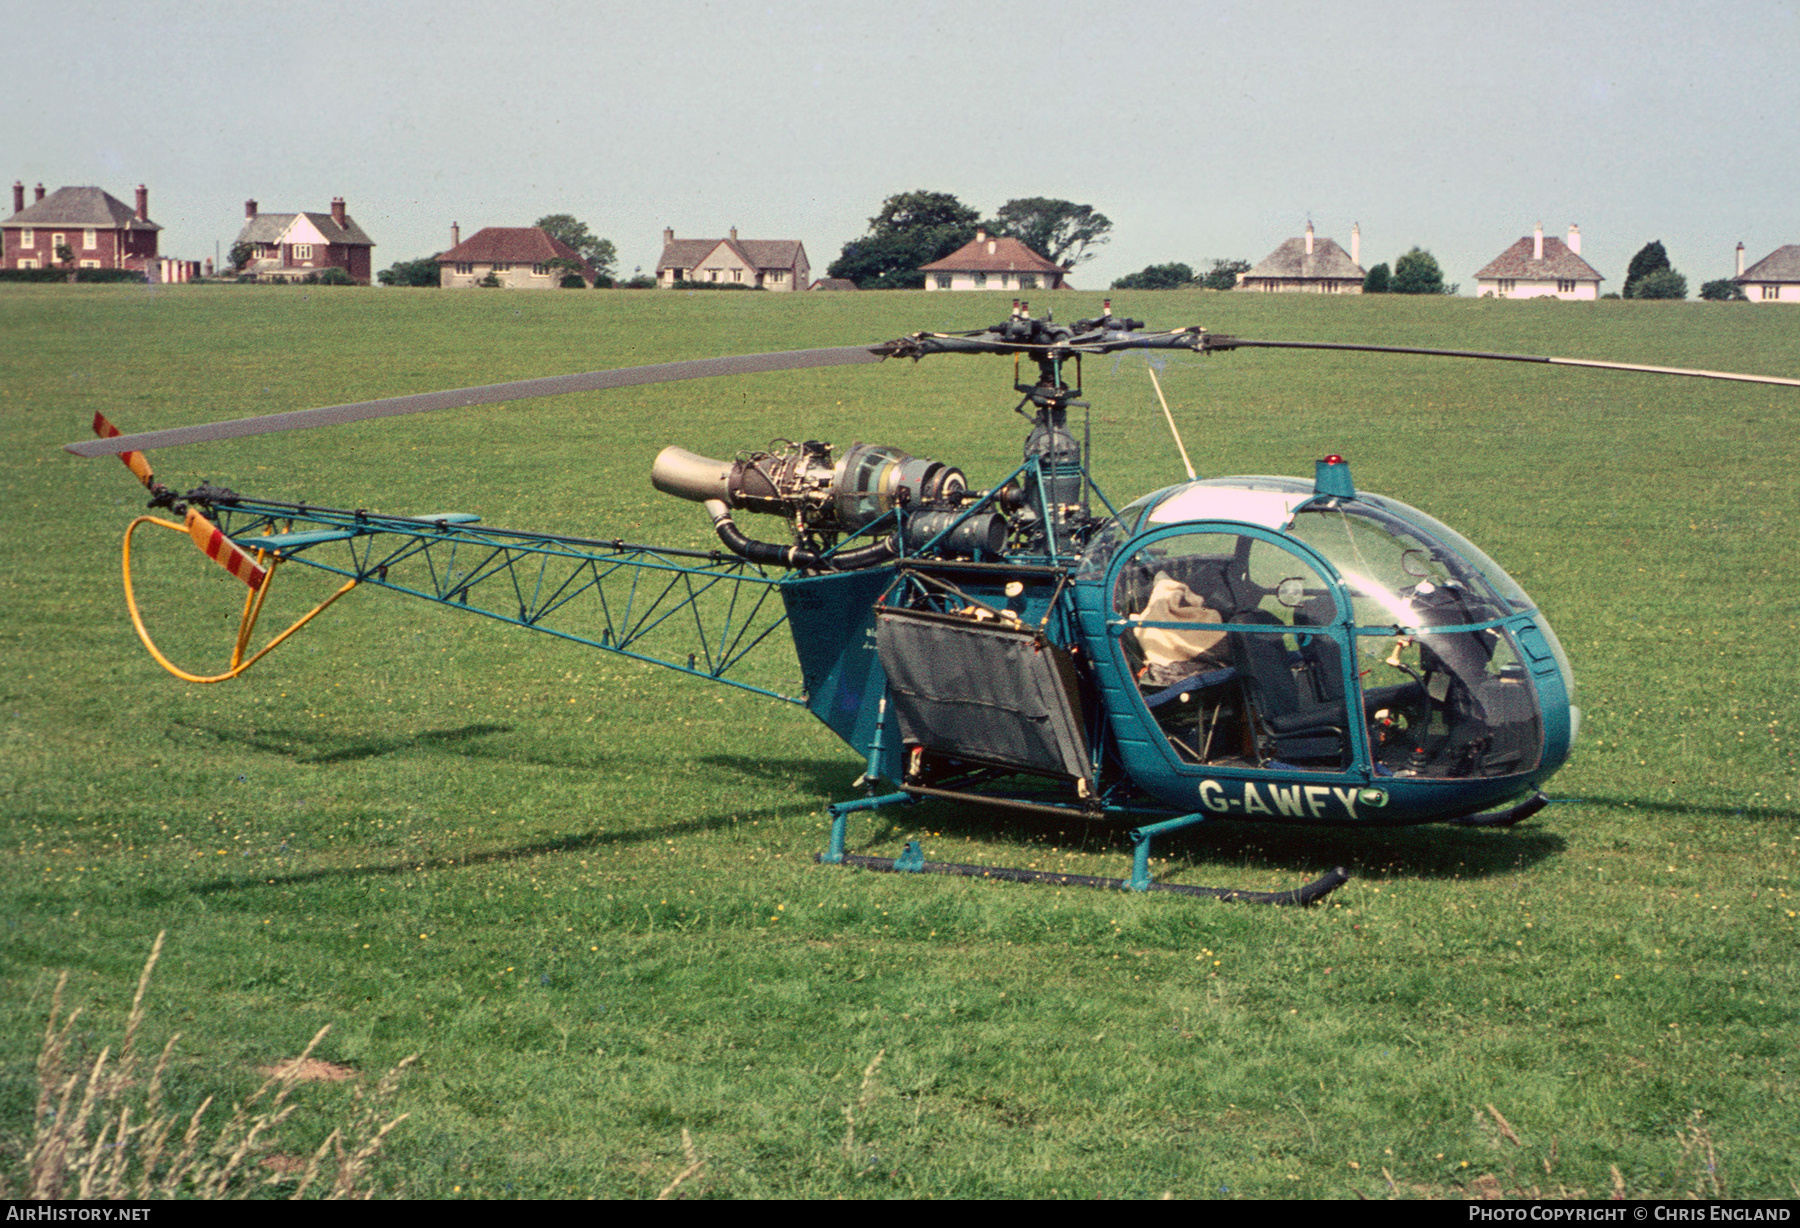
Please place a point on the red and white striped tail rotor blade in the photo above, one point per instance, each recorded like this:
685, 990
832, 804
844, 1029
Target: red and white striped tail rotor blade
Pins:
137, 462
222, 550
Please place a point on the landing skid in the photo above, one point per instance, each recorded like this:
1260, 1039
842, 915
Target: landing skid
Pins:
912, 861
1504, 818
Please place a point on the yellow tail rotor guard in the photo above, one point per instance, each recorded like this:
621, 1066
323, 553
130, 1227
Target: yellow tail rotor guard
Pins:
257, 574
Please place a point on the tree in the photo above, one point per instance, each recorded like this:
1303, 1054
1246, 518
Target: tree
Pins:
1224, 274
919, 210
1723, 290
241, 255
1157, 277
420, 272
1417, 272
1059, 230
1663, 283
1651, 258
913, 229
566, 228
1377, 280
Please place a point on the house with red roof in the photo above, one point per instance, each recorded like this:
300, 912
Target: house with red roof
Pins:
1773, 279
100, 231
295, 246
518, 257
762, 264
1536, 267
988, 263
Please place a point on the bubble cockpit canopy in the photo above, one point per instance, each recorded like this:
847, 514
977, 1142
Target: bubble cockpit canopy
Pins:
1261, 615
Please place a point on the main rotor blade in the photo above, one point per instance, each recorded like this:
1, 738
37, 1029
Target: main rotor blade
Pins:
1233, 343
555, 385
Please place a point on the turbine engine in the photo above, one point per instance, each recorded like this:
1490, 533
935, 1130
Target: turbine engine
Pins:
823, 498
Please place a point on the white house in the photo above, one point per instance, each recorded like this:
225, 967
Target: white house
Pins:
1309, 265
1773, 279
987, 263
1536, 267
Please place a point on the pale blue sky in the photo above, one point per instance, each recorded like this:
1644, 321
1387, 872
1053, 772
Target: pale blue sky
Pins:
1201, 129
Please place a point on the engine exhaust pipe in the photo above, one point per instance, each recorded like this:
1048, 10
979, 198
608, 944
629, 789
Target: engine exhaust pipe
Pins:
688, 475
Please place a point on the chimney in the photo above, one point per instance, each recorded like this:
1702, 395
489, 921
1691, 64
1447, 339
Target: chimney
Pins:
980, 235
40, 193
1740, 262
668, 235
1537, 242
337, 211
1574, 239
250, 208
734, 234
18, 195
455, 235
1309, 236
143, 203
1356, 243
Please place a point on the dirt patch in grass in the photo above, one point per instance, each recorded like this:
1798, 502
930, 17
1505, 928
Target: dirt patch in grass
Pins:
308, 1070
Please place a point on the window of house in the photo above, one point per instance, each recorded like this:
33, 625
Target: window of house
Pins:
777, 275
943, 281
1565, 286
28, 263
1506, 285
540, 270
465, 269
737, 275
58, 239
90, 239
502, 267
980, 281
303, 251
1771, 292
1027, 281
26, 237
90, 264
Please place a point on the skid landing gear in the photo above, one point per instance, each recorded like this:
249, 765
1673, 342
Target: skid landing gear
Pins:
912, 861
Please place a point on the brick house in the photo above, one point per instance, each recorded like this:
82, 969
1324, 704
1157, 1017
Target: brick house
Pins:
293, 246
102, 231
987, 263
518, 257
1536, 267
766, 264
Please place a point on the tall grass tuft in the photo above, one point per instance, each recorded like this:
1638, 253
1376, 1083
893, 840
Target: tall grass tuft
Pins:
102, 1134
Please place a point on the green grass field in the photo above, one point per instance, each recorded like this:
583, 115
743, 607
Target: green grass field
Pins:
583, 890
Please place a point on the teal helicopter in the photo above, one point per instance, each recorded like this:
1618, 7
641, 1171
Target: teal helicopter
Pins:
1275, 649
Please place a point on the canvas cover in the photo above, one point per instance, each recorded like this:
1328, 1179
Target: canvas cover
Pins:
988, 691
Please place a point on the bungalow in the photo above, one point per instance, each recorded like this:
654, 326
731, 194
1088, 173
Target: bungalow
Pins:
1309, 265
99, 231
518, 257
1773, 279
765, 264
294, 246
987, 263
1536, 267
